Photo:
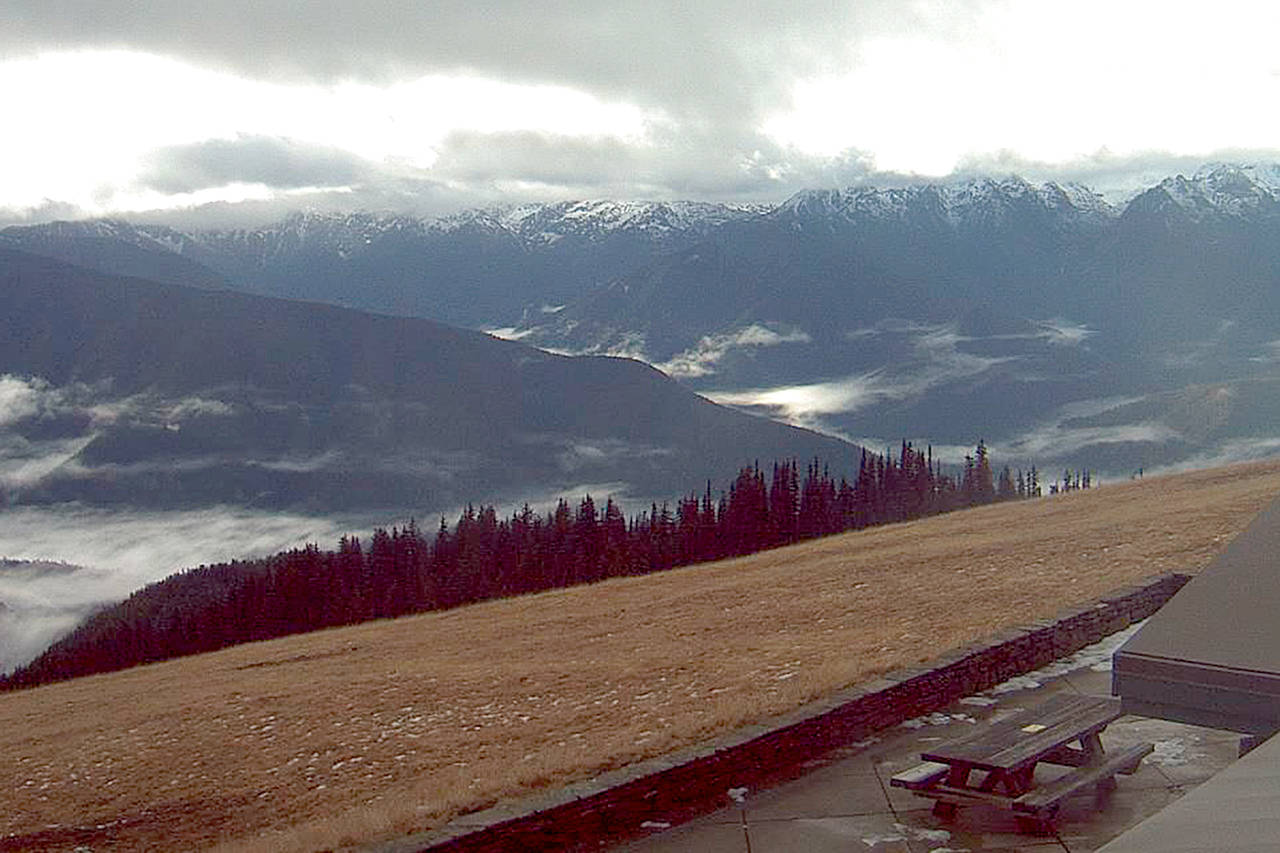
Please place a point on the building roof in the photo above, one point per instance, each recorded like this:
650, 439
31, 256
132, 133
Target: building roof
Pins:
1211, 655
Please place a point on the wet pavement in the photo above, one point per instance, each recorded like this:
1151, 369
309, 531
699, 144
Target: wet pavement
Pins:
845, 802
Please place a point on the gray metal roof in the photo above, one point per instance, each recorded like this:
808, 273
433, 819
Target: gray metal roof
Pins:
1211, 655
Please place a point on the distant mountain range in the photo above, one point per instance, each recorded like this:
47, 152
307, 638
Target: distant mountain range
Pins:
122, 391
1062, 328
474, 269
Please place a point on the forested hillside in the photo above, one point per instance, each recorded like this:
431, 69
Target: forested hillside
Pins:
404, 571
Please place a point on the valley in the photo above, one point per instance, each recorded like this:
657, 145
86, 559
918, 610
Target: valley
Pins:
126, 392
937, 312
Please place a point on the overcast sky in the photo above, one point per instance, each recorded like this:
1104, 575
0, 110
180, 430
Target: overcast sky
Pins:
429, 106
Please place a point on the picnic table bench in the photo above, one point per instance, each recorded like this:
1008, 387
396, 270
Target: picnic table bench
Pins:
1008, 751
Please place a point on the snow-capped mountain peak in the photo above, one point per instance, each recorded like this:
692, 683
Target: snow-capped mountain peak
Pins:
1216, 190
956, 203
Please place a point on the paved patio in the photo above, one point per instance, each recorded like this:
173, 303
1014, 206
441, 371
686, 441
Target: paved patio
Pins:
845, 802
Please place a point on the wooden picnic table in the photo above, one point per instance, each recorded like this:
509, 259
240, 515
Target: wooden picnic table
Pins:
1006, 753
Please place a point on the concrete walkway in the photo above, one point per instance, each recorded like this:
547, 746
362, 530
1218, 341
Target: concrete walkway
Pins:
845, 802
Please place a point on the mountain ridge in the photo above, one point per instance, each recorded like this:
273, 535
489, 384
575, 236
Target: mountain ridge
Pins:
186, 397
918, 310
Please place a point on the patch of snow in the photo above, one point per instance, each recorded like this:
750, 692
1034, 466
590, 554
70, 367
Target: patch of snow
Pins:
509, 333
1096, 657
953, 204
1018, 682
931, 835
874, 840
1173, 752
937, 719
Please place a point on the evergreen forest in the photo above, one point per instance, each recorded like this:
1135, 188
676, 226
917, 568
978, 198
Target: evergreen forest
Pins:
404, 570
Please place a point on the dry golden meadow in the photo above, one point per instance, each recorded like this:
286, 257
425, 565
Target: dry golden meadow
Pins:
347, 735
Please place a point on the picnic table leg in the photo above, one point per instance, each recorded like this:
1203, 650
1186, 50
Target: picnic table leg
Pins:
1034, 825
957, 777
1094, 754
1020, 783
1025, 780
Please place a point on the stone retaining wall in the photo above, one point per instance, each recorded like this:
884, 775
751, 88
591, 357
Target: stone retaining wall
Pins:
696, 780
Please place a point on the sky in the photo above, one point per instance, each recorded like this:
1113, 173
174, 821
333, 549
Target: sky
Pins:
226, 110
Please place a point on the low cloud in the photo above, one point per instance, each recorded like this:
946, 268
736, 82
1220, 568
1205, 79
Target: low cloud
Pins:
806, 404
106, 555
1270, 354
1056, 437
138, 547
302, 464
1118, 176
25, 463
25, 632
20, 398
43, 427
271, 161
889, 325
537, 158
25, 398
1054, 440
587, 454
1227, 453
623, 345
702, 359
1061, 332
937, 359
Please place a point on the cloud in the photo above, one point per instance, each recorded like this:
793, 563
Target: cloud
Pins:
20, 398
381, 192
1061, 332
652, 49
620, 345
467, 103
806, 404
937, 359
1055, 440
138, 547
43, 428
1270, 353
562, 99
672, 161
24, 462
584, 454
540, 158
1229, 452
1117, 175
275, 162
701, 360
112, 553
25, 632
888, 325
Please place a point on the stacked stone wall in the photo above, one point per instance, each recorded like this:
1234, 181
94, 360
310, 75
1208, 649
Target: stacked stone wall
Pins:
584, 815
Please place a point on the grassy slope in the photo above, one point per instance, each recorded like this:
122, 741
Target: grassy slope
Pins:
392, 726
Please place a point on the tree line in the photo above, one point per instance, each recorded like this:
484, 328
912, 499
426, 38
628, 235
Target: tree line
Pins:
403, 570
